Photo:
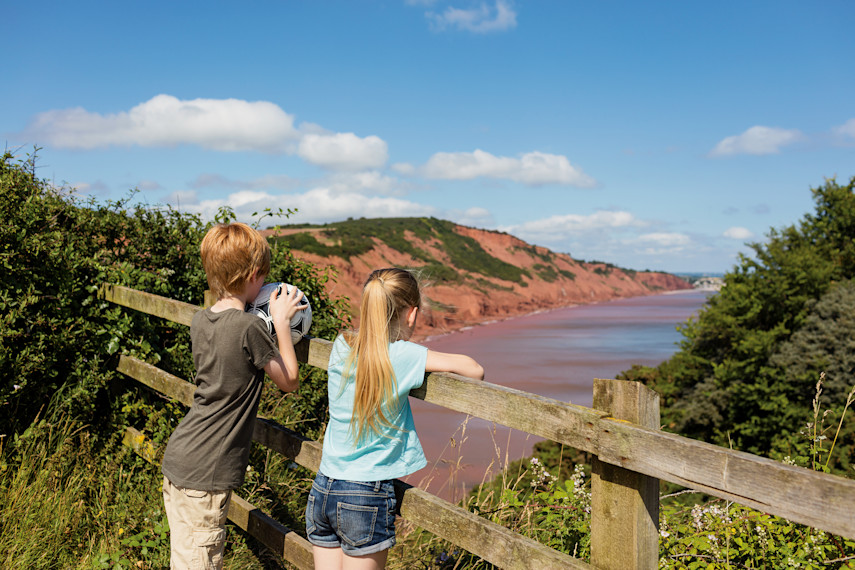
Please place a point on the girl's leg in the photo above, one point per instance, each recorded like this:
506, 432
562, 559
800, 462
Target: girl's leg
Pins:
376, 561
327, 558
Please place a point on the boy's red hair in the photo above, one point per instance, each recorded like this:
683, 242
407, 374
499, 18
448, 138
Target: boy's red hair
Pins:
231, 255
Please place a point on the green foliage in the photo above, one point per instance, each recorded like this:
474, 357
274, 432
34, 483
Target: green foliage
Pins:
58, 344
729, 536
743, 372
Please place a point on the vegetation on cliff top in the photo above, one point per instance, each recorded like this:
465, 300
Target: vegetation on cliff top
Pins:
352, 238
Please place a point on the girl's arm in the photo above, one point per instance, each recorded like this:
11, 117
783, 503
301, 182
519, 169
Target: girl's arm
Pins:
456, 363
284, 370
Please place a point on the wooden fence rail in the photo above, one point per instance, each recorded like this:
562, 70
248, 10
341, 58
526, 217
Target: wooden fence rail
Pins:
631, 456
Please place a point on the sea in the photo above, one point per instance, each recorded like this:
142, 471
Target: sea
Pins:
556, 354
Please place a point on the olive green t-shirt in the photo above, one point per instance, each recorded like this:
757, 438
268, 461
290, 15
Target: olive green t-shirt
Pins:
209, 450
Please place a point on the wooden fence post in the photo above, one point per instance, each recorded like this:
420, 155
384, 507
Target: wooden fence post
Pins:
624, 504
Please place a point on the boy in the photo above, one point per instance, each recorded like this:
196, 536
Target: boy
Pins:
208, 452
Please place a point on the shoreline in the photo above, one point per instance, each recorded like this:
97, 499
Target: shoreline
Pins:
490, 321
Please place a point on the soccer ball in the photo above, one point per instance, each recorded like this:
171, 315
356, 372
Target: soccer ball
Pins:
301, 321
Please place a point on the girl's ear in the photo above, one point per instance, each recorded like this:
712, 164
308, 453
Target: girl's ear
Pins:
412, 313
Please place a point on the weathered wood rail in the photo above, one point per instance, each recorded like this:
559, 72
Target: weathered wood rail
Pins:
631, 456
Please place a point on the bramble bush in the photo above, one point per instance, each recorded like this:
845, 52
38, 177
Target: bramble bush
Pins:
58, 344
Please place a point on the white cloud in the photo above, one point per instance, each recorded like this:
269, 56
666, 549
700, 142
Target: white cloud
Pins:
149, 185
738, 233
318, 205
373, 182
757, 140
343, 151
473, 217
403, 168
97, 188
213, 124
847, 129
532, 169
659, 243
182, 199
481, 20
664, 239
216, 124
557, 228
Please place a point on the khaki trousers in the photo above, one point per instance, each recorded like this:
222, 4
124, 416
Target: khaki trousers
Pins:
197, 526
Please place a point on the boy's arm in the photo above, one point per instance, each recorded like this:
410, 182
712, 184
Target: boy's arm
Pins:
284, 369
456, 363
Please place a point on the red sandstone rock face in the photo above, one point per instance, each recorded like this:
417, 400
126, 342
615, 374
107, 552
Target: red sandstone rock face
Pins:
451, 307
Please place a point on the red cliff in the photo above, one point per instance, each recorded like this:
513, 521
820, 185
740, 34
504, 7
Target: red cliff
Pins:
545, 279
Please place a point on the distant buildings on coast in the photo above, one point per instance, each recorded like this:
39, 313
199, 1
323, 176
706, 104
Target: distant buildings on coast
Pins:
708, 283
704, 281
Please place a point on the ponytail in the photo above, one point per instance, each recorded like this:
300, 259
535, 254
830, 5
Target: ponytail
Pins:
385, 296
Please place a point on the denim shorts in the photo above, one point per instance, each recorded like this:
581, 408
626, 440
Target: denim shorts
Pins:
357, 516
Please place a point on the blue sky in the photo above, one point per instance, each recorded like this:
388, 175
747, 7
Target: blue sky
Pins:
653, 135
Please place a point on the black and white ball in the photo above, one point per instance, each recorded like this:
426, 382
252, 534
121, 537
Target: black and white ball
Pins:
300, 323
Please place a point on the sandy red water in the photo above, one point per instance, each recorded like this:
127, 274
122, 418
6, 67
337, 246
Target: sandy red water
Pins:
556, 354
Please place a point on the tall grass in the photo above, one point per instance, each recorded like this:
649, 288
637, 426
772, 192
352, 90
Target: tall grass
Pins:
43, 519
69, 501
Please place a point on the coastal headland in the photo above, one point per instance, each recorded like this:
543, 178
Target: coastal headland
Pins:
471, 276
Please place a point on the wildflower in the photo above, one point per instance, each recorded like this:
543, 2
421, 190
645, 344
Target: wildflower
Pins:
16, 387
541, 475
698, 517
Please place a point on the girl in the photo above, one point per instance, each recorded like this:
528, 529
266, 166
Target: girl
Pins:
370, 438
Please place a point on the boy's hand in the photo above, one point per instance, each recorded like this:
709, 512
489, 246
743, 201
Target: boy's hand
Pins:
284, 369
284, 306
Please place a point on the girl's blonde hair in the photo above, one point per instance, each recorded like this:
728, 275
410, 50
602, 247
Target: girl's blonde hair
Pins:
386, 295
231, 254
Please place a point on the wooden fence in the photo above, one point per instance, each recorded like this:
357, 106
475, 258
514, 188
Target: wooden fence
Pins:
622, 432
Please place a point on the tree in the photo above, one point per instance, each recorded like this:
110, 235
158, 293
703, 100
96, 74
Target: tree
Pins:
724, 384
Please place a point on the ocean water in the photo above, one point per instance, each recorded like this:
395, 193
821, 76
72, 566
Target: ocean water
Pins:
555, 354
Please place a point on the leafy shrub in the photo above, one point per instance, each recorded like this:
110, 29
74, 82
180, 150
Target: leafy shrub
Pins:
58, 344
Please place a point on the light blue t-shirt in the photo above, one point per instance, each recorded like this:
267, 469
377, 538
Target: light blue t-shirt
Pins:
397, 452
